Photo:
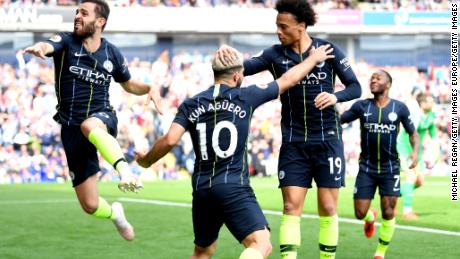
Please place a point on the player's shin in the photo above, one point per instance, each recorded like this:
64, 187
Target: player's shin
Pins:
407, 197
385, 234
328, 236
109, 148
104, 210
289, 236
369, 216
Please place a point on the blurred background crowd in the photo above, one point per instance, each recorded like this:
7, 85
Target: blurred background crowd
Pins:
178, 63
30, 148
408, 5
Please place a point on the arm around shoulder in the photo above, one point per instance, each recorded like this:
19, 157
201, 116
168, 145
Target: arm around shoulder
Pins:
299, 71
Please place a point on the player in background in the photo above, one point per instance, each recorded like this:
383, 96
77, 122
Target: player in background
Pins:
218, 120
414, 177
84, 65
380, 119
312, 146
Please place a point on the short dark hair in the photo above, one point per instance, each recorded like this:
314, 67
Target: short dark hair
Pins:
390, 79
423, 97
102, 9
300, 9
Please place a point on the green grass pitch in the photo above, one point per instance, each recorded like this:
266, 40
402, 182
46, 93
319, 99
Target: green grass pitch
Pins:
45, 221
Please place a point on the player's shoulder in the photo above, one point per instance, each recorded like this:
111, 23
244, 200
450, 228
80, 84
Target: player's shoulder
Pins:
66, 34
364, 102
399, 104
201, 97
272, 51
109, 45
61, 37
319, 41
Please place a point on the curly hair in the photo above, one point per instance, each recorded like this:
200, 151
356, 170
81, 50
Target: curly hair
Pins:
300, 9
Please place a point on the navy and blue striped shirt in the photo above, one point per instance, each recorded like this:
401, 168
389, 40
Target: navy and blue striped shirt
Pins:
301, 120
83, 78
218, 120
379, 131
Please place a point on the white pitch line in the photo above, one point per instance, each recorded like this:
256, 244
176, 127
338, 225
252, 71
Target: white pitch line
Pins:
271, 212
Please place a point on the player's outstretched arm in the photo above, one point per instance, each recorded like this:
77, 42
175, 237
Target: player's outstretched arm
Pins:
161, 147
140, 88
350, 114
40, 49
299, 71
414, 142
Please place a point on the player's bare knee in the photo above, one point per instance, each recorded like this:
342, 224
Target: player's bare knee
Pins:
204, 252
360, 213
85, 128
291, 208
89, 124
327, 209
264, 243
268, 249
89, 206
388, 213
259, 240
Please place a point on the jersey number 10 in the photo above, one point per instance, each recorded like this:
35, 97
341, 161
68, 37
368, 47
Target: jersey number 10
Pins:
201, 128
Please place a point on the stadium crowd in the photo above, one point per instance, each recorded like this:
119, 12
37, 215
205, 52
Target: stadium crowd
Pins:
30, 149
320, 5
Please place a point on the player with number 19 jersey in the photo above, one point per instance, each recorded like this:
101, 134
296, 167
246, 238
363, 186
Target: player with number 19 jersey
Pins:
218, 120
312, 145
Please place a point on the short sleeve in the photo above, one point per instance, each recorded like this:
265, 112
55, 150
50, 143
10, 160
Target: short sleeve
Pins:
406, 120
121, 72
260, 94
60, 42
181, 117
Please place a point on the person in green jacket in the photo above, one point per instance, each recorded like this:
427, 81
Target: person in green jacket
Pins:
415, 177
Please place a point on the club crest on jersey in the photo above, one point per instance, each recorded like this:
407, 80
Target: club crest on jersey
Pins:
392, 116
56, 38
320, 65
108, 65
281, 174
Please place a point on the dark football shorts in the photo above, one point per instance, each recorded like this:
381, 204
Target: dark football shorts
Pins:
81, 154
300, 163
233, 205
367, 183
